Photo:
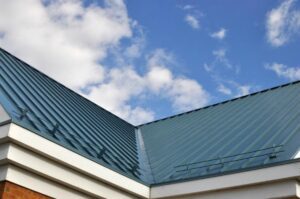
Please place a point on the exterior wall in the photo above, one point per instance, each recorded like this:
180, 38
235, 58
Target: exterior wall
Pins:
10, 190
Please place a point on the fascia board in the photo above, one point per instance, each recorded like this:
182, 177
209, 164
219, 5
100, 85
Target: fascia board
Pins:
48, 149
252, 177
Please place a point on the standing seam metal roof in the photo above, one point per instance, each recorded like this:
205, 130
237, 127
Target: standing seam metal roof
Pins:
255, 130
53, 111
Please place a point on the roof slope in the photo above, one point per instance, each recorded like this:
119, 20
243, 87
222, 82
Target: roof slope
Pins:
247, 132
37, 102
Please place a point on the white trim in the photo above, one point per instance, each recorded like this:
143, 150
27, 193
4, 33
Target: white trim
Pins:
49, 169
72, 160
279, 190
33, 158
42, 185
297, 156
247, 178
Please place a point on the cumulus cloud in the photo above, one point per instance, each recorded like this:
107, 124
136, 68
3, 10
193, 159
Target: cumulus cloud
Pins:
290, 73
187, 94
138, 42
69, 41
121, 85
184, 93
282, 23
124, 84
221, 34
63, 37
193, 21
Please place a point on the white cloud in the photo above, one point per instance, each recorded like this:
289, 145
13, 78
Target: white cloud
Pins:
63, 37
192, 21
291, 73
221, 34
187, 7
234, 89
69, 41
187, 94
221, 58
125, 84
135, 49
223, 89
220, 53
122, 84
282, 23
243, 90
159, 77
219, 63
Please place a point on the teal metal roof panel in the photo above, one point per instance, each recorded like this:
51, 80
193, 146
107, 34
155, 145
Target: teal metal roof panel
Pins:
37, 102
252, 131
247, 132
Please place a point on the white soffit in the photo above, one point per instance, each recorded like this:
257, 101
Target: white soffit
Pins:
70, 159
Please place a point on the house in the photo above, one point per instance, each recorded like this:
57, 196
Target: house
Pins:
54, 143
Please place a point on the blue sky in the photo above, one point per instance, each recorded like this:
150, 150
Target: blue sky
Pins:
245, 43
145, 60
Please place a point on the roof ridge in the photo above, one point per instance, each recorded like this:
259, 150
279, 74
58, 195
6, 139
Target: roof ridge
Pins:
222, 102
52, 79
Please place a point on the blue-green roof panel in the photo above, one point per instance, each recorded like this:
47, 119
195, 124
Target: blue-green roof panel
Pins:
237, 134
244, 133
48, 108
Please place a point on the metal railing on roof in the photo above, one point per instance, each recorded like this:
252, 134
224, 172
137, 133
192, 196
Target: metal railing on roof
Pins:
54, 129
270, 152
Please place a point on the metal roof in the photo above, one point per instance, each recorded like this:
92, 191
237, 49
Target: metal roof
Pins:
37, 102
247, 132
252, 131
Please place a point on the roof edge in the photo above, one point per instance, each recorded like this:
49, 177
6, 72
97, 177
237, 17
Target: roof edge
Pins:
219, 103
52, 79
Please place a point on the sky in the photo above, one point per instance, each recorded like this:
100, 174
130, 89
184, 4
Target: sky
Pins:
149, 59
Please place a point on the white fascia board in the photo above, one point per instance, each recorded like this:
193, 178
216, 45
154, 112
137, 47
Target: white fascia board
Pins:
246, 178
40, 184
279, 190
54, 171
72, 160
